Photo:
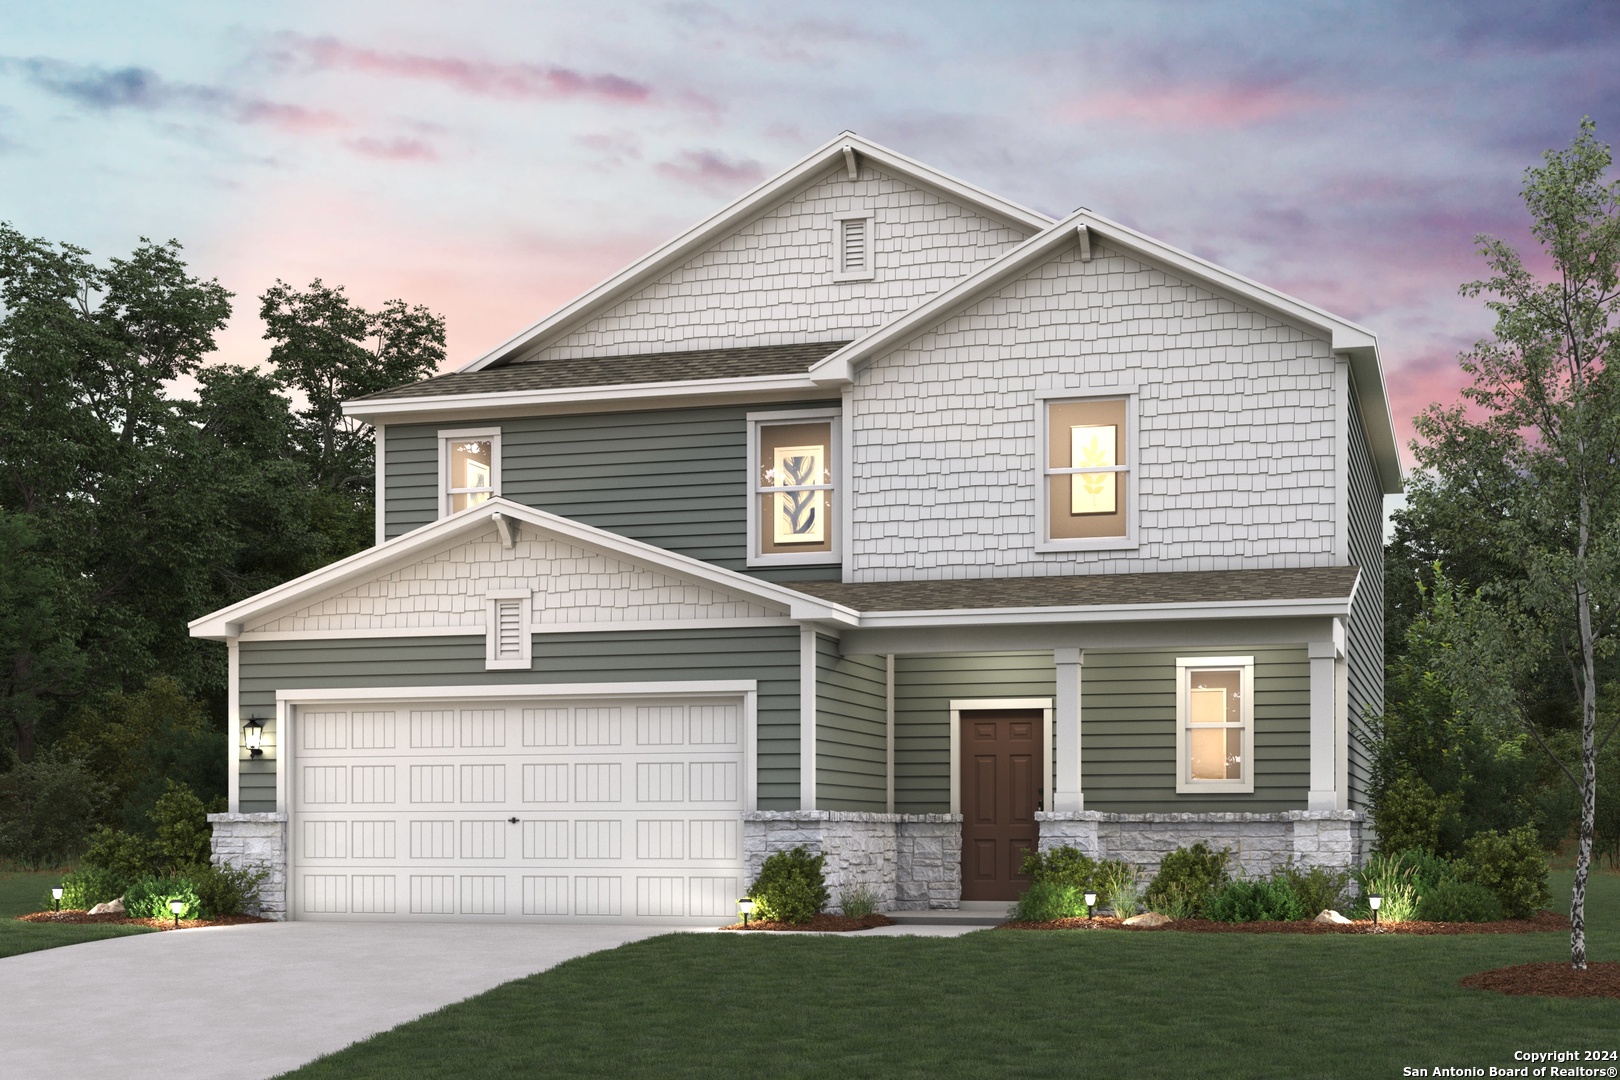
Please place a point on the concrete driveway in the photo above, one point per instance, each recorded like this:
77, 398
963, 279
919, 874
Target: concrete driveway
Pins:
253, 1001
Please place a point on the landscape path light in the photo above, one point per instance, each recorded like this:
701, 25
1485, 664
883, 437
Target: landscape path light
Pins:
1091, 902
746, 906
1375, 902
177, 905
56, 897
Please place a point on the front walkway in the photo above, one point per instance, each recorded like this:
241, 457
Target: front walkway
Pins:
247, 1002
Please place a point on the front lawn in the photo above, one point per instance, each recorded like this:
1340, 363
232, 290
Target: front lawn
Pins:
1003, 1003
21, 893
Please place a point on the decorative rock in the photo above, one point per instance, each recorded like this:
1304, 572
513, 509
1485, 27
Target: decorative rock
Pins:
1148, 918
1330, 916
111, 907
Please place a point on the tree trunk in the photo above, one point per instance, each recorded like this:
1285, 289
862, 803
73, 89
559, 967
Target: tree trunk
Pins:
1588, 688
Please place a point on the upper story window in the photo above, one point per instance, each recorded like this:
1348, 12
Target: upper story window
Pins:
793, 506
1087, 493
469, 468
1215, 724
852, 247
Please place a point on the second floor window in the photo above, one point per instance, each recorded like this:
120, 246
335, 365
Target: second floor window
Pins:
794, 497
470, 468
1088, 472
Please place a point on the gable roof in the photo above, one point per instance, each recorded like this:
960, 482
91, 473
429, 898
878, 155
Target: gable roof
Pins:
228, 622
834, 153
1357, 342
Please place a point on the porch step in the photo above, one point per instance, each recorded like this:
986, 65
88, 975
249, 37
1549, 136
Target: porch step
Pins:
971, 913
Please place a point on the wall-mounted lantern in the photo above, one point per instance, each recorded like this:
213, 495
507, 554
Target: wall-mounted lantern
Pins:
253, 736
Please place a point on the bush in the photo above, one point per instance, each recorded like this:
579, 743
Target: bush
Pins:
1393, 877
1060, 866
857, 903
1188, 875
227, 890
1459, 901
181, 823
790, 887
86, 887
47, 808
1116, 883
1409, 815
149, 898
1174, 904
1319, 888
1512, 866
125, 856
1255, 900
1045, 901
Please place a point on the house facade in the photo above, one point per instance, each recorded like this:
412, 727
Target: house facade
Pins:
874, 513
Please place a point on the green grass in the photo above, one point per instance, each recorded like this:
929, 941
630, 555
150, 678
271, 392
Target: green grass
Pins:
1002, 1003
22, 892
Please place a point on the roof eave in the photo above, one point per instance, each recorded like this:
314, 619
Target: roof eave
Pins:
1104, 613
370, 409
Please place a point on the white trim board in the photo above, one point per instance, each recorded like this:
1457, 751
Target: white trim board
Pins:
959, 706
478, 631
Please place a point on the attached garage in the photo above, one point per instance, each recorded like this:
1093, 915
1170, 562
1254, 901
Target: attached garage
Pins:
518, 804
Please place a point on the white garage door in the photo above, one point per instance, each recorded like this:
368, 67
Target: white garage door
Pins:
539, 810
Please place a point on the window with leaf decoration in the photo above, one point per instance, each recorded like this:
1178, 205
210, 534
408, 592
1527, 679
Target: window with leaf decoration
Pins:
1215, 717
469, 468
794, 495
1088, 470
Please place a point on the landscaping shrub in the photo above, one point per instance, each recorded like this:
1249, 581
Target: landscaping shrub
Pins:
1060, 866
149, 898
1117, 887
1045, 901
227, 890
1254, 900
1188, 875
858, 902
1512, 866
85, 888
1174, 904
1394, 877
790, 887
1319, 888
47, 808
182, 827
125, 856
1409, 814
1458, 901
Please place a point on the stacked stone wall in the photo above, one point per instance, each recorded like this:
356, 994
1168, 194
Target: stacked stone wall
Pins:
1260, 843
905, 861
255, 841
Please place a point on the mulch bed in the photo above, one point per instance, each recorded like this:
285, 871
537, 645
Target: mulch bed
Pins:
1550, 979
822, 923
82, 917
1545, 922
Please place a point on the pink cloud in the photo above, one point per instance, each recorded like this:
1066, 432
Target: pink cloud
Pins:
708, 169
486, 79
1207, 106
396, 149
291, 118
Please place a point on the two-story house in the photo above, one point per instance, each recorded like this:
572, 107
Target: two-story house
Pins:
876, 513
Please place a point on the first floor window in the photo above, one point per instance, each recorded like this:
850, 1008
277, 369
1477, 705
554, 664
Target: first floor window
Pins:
1215, 721
469, 468
794, 490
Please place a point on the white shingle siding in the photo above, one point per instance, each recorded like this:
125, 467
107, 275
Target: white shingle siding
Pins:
771, 282
1234, 457
571, 585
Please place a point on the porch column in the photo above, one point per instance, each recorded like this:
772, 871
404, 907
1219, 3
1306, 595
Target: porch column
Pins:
1066, 735
1323, 794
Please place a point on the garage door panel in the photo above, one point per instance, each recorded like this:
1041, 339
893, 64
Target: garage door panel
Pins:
325, 730
433, 894
545, 894
601, 727
660, 725
713, 897
546, 727
545, 782
372, 839
326, 839
546, 839
325, 785
483, 894
433, 729
483, 783
326, 893
372, 730
598, 782
662, 838
484, 839
598, 895
715, 840
482, 728
433, 839
599, 838
372, 784
715, 782
371, 894
660, 781
433, 784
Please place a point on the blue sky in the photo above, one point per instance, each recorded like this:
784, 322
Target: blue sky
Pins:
491, 160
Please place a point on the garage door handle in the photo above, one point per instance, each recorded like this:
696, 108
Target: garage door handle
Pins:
513, 820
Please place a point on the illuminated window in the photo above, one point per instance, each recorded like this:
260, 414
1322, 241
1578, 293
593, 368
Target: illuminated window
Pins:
793, 511
1215, 724
1088, 476
469, 468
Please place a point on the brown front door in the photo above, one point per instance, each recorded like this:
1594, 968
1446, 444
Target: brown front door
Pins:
1001, 790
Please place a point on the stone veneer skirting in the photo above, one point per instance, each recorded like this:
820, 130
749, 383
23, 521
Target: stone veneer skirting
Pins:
907, 861
256, 841
1259, 842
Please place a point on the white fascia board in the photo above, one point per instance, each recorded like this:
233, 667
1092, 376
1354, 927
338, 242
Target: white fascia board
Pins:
228, 622
704, 687
801, 174
1105, 613
614, 394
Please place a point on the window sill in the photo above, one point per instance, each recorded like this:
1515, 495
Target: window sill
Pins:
1097, 543
820, 558
1215, 787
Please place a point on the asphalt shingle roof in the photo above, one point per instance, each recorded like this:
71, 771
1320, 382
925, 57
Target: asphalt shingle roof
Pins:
553, 374
1178, 587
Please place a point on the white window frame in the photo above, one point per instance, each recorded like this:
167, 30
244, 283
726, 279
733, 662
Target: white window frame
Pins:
835, 464
1044, 400
525, 659
450, 435
839, 272
1245, 666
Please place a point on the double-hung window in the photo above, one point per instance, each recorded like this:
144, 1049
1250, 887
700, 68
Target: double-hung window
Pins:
469, 468
1087, 491
1215, 724
793, 501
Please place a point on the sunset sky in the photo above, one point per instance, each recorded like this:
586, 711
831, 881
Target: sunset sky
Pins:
491, 160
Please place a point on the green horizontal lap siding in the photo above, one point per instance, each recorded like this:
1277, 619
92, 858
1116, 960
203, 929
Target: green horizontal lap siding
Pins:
1128, 732
768, 655
924, 687
851, 730
675, 478
1365, 632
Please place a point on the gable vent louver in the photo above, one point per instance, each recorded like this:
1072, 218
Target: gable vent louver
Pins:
508, 630
854, 246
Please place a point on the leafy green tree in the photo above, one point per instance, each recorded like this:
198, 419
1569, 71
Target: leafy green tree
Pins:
1545, 407
40, 661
